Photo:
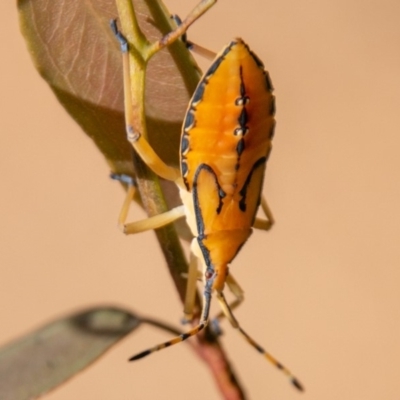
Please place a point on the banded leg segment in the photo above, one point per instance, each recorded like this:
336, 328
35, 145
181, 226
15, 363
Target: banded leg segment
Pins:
235, 324
192, 332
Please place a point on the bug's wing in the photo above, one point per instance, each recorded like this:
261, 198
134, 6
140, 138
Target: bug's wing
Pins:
218, 241
250, 193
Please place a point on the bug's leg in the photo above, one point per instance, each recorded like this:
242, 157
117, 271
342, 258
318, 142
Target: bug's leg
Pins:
157, 221
193, 47
200, 50
261, 223
238, 292
154, 222
192, 332
182, 27
190, 297
138, 142
228, 313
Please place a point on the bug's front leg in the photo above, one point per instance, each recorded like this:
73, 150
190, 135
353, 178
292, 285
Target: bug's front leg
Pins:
135, 138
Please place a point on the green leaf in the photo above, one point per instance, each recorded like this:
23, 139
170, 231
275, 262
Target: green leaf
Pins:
43, 359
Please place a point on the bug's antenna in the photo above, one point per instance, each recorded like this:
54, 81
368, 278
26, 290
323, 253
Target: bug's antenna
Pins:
228, 313
194, 331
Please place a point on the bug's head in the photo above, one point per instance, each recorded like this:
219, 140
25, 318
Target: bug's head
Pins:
217, 277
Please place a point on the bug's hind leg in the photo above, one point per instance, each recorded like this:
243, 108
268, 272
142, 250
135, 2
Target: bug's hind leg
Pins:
228, 313
261, 223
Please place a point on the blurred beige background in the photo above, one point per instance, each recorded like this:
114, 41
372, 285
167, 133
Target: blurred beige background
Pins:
322, 288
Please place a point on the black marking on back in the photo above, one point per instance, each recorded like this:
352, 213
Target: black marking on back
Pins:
184, 168
242, 87
184, 143
214, 66
243, 191
272, 131
243, 99
268, 153
198, 93
243, 118
205, 251
272, 106
189, 121
257, 60
240, 147
268, 82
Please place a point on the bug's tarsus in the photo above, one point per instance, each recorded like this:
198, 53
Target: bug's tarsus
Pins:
216, 327
297, 384
178, 22
140, 355
121, 38
124, 178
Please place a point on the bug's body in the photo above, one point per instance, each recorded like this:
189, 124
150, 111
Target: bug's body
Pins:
225, 143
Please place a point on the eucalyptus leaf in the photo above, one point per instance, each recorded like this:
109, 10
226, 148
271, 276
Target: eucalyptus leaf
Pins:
75, 51
48, 356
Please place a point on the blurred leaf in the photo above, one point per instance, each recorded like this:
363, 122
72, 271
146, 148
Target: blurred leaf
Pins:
75, 51
43, 359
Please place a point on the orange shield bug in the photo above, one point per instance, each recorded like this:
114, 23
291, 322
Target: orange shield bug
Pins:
225, 144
